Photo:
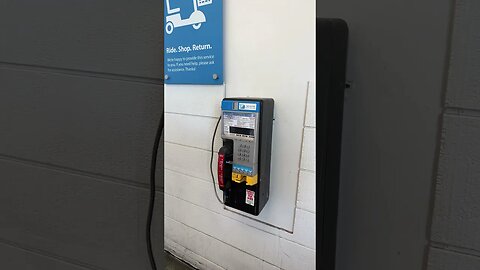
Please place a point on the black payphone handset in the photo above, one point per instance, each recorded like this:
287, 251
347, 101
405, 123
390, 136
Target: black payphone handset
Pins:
244, 158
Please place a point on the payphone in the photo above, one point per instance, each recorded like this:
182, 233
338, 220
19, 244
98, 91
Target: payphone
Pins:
244, 158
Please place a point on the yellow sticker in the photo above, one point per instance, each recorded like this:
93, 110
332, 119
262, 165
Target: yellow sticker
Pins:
252, 180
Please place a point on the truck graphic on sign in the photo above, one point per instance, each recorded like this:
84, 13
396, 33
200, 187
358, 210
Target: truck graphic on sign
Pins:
174, 19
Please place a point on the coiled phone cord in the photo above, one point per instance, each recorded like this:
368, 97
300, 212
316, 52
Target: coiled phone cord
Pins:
211, 161
152, 191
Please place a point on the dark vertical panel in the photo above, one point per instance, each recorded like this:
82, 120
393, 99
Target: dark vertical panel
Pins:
396, 64
332, 40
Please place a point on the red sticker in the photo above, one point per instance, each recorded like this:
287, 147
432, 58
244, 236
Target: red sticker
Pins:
221, 159
250, 197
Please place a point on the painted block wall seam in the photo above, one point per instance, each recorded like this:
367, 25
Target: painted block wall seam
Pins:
191, 190
189, 256
211, 248
306, 196
247, 238
284, 256
310, 117
203, 263
290, 253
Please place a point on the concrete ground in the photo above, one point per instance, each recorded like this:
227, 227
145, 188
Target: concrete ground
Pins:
172, 263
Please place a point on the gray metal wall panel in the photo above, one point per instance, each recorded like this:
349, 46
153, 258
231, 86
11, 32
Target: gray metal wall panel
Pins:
96, 125
396, 65
80, 99
121, 37
13, 258
99, 223
464, 72
440, 259
456, 218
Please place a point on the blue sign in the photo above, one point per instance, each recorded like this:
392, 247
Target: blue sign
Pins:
193, 42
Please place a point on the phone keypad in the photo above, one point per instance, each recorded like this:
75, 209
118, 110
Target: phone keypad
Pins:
243, 152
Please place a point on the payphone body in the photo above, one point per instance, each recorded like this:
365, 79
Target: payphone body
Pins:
245, 157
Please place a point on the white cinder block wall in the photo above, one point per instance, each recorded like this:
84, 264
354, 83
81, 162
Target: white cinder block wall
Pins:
267, 57
200, 231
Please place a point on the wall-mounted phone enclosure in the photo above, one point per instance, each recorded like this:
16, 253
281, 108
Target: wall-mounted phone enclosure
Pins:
245, 158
